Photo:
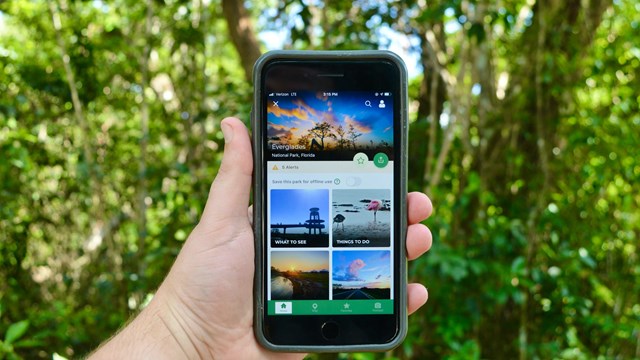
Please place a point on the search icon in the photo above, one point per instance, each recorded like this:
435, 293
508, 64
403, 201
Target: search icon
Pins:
367, 103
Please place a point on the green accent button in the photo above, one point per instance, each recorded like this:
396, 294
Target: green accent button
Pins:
381, 160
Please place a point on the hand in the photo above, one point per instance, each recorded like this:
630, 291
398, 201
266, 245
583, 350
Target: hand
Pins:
204, 308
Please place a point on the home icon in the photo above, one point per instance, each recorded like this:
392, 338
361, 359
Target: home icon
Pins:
283, 307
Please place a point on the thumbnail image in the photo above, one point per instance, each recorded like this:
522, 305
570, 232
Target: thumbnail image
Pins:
361, 274
342, 125
299, 218
299, 275
361, 217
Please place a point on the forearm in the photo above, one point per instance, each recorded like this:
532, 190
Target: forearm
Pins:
154, 334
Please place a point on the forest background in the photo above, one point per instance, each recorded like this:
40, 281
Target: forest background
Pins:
524, 130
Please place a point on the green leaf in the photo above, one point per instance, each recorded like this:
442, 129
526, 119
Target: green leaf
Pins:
15, 331
518, 266
28, 343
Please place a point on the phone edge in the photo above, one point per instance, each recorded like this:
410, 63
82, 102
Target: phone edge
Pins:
257, 207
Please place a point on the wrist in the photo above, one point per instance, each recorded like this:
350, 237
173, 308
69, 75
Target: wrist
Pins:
155, 333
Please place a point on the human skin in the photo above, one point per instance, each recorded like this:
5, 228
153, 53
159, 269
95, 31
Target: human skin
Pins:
204, 307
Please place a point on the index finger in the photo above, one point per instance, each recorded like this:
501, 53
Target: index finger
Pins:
419, 207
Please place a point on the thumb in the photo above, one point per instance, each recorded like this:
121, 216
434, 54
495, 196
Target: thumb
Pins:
229, 193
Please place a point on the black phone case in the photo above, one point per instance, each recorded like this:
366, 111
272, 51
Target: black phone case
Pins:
258, 187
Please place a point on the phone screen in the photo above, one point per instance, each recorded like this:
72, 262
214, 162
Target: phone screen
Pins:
330, 195
329, 202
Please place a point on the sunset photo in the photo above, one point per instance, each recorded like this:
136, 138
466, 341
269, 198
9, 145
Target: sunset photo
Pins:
310, 122
299, 275
361, 275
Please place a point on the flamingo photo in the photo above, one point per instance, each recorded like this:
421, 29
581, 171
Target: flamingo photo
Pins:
351, 217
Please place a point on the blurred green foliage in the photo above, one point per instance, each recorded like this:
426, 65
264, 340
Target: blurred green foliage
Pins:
525, 132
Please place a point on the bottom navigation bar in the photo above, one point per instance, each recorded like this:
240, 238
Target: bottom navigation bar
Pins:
329, 307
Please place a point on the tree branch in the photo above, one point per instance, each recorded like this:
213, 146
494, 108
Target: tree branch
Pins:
433, 126
439, 60
94, 180
71, 82
455, 93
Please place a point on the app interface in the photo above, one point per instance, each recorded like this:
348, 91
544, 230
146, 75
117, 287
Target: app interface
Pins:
329, 203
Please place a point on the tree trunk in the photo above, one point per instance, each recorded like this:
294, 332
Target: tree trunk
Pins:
525, 125
242, 34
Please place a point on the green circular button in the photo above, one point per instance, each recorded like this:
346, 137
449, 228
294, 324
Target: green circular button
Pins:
360, 159
381, 160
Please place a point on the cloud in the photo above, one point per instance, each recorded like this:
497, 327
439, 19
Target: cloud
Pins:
316, 116
277, 129
303, 113
359, 126
355, 266
385, 284
351, 271
330, 118
280, 131
297, 113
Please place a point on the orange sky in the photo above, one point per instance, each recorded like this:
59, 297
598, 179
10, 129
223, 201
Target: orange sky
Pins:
300, 260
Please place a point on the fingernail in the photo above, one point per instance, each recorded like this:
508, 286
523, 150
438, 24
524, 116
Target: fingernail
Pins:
227, 132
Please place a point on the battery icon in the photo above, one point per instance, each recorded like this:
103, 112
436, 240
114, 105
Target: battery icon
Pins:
386, 94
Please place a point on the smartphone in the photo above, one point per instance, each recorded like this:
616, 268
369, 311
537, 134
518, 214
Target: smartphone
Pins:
330, 134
